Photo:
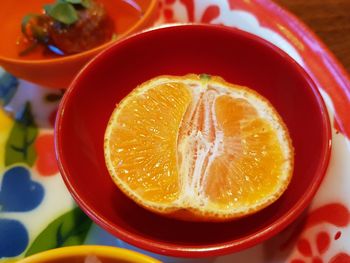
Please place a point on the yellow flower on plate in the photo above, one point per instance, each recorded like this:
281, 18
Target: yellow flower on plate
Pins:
5, 129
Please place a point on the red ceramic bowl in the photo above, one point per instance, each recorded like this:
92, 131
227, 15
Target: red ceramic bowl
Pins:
238, 57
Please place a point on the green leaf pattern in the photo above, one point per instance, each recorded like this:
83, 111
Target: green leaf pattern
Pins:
20, 144
67, 230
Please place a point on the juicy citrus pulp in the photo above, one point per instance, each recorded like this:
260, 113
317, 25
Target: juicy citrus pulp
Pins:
198, 148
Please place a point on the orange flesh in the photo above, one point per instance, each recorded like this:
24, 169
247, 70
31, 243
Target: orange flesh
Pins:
143, 145
193, 146
250, 164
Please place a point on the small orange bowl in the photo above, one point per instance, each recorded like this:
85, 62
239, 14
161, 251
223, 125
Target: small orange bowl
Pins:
59, 72
87, 253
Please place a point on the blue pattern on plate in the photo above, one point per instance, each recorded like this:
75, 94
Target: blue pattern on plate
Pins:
8, 87
13, 237
18, 193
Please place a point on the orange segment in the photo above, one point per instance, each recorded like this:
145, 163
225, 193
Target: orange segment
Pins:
251, 160
230, 113
142, 144
198, 148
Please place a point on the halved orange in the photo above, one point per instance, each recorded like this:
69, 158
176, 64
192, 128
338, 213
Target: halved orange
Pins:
198, 148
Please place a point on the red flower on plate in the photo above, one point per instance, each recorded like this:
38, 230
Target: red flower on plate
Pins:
46, 161
210, 13
323, 241
340, 258
334, 214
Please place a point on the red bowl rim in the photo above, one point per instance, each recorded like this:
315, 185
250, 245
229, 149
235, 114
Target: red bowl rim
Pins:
209, 250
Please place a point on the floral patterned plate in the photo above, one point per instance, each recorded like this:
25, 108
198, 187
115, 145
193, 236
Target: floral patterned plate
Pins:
37, 212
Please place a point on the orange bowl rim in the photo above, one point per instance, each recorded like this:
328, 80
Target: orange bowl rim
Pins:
64, 253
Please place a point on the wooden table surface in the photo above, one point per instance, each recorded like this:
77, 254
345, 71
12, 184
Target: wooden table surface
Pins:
329, 19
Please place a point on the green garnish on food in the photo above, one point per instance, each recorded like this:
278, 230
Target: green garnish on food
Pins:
64, 10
